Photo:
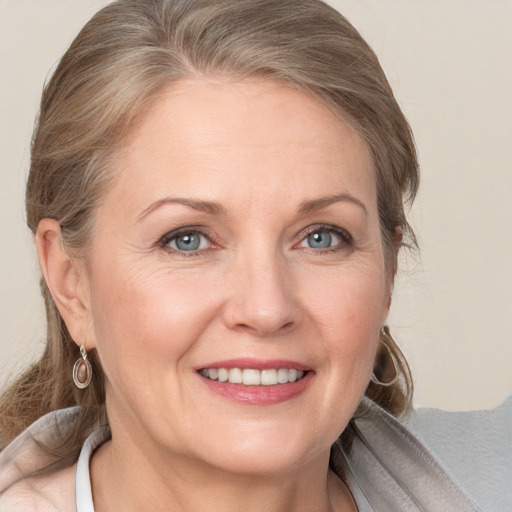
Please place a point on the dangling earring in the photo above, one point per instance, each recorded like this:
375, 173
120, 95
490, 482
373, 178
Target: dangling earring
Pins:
82, 371
384, 335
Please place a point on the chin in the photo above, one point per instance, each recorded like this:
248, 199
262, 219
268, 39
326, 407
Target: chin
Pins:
265, 450
261, 463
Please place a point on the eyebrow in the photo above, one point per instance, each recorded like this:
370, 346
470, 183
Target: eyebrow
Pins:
323, 202
201, 206
212, 208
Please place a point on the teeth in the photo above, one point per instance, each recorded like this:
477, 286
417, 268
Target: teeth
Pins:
269, 377
250, 377
235, 376
282, 375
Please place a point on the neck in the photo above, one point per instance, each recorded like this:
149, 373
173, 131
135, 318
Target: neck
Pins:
128, 477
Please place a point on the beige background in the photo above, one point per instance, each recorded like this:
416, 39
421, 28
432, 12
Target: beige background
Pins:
449, 63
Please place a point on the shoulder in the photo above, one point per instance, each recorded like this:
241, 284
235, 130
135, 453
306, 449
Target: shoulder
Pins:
387, 463
49, 493
31, 454
475, 447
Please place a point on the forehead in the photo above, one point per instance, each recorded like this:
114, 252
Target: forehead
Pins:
261, 138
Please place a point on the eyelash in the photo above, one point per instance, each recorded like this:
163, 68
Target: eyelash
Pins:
346, 239
345, 236
190, 230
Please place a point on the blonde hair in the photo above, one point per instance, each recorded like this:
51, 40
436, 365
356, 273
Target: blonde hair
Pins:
125, 55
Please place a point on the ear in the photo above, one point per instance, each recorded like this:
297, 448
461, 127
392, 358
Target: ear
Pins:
66, 280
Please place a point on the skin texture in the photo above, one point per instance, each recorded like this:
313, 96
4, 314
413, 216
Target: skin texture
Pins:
255, 289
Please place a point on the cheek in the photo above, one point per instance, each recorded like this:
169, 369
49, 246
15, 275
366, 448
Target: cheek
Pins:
349, 314
145, 320
347, 301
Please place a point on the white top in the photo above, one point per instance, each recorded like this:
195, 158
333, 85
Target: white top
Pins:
83, 490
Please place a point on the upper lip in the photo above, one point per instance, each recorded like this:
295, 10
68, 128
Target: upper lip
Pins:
256, 364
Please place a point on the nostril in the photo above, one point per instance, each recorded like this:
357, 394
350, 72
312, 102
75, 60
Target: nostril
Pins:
260, 315
264, 330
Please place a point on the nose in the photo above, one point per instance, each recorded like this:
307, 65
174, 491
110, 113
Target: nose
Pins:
263, 302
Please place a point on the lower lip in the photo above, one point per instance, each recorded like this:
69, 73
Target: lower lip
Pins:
259, 395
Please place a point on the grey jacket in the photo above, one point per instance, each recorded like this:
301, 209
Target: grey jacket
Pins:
438, 461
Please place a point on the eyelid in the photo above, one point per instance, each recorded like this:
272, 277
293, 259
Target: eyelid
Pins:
164, 241
345, 236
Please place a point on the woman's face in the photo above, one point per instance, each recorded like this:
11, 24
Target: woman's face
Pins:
240, 240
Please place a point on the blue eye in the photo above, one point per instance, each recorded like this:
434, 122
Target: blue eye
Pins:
325, 238
319, 240
187, 242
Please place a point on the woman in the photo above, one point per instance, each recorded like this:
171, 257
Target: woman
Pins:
217, 195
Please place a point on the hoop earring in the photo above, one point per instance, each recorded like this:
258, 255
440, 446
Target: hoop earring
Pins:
82, 370
384, 334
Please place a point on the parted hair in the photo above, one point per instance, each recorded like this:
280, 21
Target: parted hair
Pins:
109, 77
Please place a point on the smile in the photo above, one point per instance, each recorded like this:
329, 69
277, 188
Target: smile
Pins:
252, 377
